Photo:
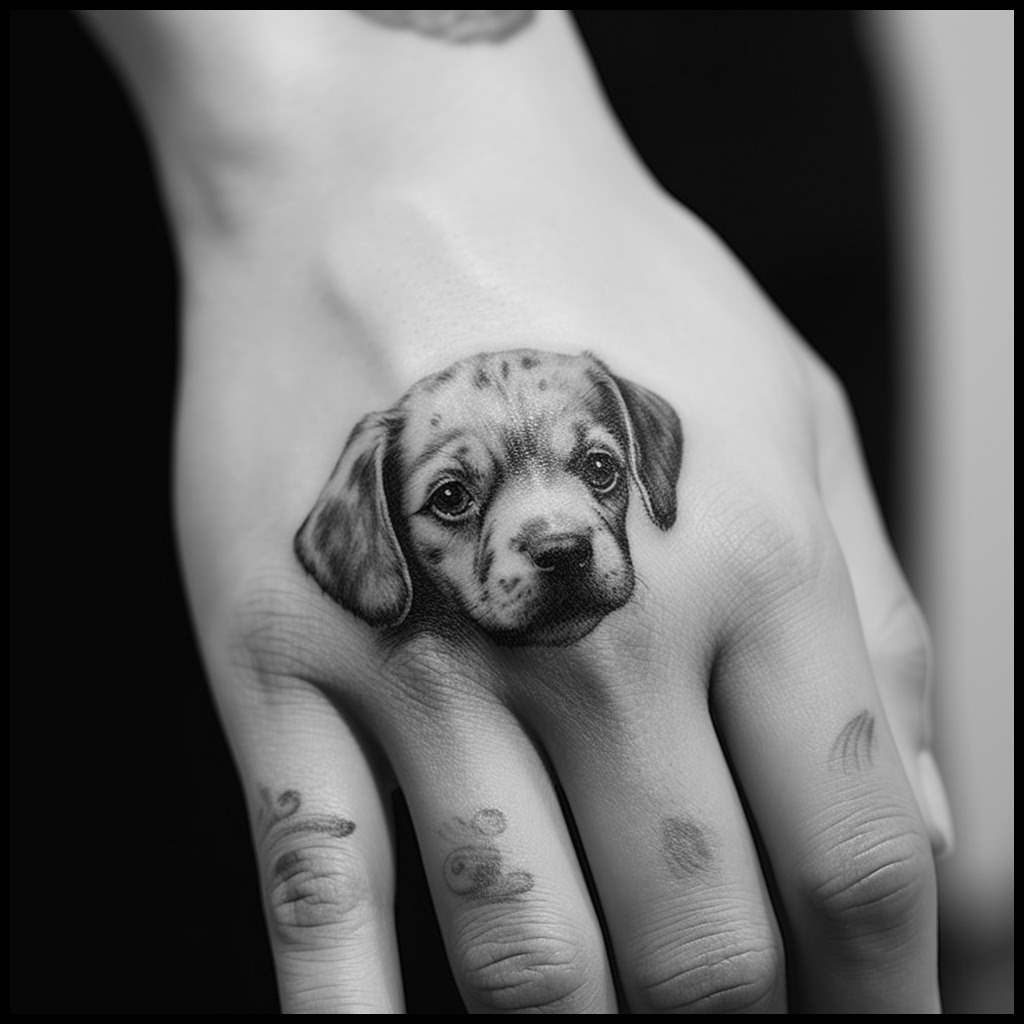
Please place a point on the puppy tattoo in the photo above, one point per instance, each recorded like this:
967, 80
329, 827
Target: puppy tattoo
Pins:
475, 869
495, 493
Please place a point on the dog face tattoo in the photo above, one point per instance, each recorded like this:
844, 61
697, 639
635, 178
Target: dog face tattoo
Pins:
495, 493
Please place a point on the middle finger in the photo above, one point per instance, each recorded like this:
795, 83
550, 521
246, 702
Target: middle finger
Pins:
521, 932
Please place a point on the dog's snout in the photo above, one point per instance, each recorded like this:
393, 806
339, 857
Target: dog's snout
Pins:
562, 552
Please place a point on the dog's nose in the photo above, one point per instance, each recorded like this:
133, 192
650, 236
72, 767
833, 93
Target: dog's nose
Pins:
561, 552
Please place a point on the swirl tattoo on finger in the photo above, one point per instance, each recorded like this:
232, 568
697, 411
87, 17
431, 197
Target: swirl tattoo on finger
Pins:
274, 812
475, 869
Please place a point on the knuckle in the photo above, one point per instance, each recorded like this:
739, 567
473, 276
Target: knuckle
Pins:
267, 628
435, 687
529, 959
874, 877
271, 643
722, 960
320, 894
769, 548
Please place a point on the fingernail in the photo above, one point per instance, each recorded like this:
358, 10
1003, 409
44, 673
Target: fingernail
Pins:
940, 821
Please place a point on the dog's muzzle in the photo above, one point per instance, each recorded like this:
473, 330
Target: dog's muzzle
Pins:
561, 555
553, 586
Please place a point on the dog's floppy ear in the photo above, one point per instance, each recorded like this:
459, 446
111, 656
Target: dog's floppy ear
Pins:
654, 440
348, 543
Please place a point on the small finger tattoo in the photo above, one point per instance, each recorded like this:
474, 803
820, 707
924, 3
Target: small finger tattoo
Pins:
286, 864
685, 846
476, 868
310, 888
278, 814
855, 746
455, 26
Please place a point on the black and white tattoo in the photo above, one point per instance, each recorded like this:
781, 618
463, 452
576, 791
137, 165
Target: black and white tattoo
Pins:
306, 885
494, 493
455, 26
281, 816
475, 869
854, 748
685, 846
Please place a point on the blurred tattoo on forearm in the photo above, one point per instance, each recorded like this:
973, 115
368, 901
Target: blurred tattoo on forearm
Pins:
455, 26
492, 498
476, 869
685, 845
854, 748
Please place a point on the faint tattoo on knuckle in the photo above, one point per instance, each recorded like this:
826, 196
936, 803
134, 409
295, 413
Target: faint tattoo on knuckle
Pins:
455, 26
476, 868
855, 747
685, 845
279, 817
491, 500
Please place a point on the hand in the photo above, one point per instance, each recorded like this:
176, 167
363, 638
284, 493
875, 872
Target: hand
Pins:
764, 675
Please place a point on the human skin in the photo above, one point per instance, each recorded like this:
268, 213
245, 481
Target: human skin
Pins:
358, 205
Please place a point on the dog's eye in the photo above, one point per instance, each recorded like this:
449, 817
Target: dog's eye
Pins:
601, 471
450, 500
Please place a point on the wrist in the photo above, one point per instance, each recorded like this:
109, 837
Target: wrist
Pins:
259, 115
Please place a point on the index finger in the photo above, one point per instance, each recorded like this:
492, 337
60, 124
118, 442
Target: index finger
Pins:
894, 628
801, 717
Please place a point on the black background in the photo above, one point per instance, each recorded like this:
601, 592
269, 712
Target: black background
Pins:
133, 883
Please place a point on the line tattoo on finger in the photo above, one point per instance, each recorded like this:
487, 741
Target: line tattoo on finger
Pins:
475, 869
455, 26
278, 815
685, 846
854, 748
